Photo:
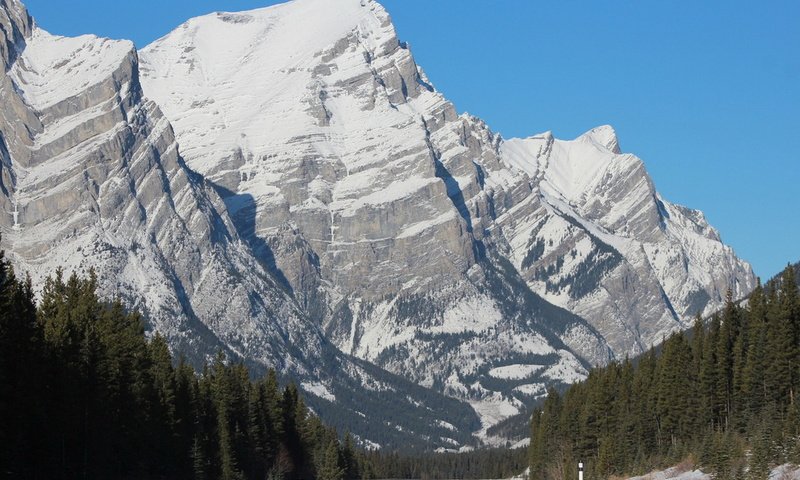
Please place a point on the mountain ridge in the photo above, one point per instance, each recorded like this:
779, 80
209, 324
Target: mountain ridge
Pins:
487, 193
365, 210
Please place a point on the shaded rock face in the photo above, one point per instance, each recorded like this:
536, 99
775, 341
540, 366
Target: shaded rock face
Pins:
416, 237
95, 172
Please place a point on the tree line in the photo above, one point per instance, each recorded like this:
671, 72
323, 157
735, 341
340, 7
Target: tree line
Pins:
723, 395
483, 463
85, 394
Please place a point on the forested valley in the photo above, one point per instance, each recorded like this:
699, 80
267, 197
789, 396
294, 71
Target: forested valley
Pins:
84, 393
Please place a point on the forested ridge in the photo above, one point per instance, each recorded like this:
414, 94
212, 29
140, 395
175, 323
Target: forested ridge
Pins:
723, 395
85, 394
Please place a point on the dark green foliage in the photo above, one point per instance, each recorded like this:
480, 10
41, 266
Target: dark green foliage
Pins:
727, 387
85, 394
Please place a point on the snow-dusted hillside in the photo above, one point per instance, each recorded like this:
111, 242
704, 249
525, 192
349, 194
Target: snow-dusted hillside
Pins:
419, 239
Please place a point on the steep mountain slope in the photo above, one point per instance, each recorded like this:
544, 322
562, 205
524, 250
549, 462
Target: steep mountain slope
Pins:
93, 172
326, 143
98, 182
417, 238
632, 263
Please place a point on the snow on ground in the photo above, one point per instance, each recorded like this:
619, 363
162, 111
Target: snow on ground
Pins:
366, 443
522, 476
675, 473
516, 371
532, 389
783, 472
568, 369
493, 410
521, 444
471, 314
446, 425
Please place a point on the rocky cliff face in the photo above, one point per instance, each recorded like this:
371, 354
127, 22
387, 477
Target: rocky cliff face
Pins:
92, 168
416, 237
606, 246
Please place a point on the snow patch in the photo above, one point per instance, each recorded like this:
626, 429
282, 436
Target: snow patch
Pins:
516, 371
319, 390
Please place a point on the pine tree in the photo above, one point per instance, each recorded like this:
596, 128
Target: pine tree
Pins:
21, 360
709, 376
349, 460
754, 387
673, 390
331, 467
782, 349
728, 331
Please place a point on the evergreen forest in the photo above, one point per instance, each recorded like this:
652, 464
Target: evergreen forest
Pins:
85, 394
723, 396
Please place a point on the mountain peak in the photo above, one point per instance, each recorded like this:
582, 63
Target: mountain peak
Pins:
604, 136
249, 32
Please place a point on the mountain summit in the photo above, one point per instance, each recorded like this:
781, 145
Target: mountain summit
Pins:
323, 208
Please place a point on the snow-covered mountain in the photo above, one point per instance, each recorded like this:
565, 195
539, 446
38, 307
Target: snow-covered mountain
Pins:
418, 238
92, 169
336, 217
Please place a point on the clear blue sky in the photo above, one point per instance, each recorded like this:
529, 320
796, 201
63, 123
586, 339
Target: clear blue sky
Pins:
707, 93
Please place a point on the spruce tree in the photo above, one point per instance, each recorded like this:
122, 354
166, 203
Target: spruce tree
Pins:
754, 387
331, 468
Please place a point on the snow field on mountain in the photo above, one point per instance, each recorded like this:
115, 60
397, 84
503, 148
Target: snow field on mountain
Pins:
52, 68
319, 390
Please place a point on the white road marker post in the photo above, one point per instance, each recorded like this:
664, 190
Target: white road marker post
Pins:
580, 470
15, 214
